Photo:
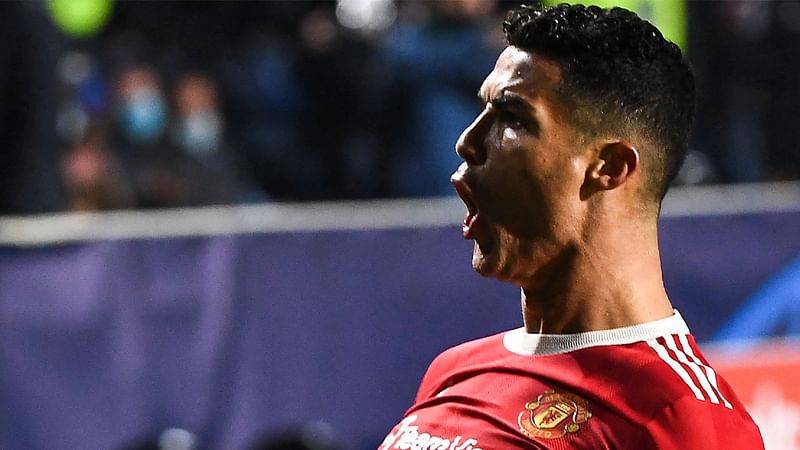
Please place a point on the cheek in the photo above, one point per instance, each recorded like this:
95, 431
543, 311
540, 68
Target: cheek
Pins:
522, 210
518, 259
536, 203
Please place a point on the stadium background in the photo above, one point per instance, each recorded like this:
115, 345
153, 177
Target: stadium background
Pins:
321, 291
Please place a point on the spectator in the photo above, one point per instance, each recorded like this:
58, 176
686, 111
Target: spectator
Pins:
198, 132
95, 177
332, 71
437, 57
292, 101
141, 123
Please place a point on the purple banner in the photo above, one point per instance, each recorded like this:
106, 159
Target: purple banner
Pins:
232, 336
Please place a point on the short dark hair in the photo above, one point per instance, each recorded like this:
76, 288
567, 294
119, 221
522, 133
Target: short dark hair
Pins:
621, 74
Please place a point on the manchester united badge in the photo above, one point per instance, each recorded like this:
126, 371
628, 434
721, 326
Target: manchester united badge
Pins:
553, 415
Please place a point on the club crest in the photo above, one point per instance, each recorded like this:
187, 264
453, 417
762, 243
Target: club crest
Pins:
553, 415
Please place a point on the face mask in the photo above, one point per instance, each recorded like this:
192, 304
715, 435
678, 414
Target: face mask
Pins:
200, 133
143, 116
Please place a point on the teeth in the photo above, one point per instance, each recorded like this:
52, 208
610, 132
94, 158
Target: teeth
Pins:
471, 220
469, 223
472, 210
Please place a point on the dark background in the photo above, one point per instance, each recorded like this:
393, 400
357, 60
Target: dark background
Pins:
187, 103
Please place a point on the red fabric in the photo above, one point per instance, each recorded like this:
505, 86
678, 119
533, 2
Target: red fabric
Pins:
474, 396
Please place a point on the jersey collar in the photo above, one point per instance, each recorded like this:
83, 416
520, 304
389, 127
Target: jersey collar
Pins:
528, 344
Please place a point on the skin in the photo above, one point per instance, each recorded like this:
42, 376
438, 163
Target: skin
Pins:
559, 213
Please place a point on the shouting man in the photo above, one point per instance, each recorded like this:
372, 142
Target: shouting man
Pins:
585, 123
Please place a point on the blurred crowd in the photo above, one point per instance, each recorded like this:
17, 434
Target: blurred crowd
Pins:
175, 104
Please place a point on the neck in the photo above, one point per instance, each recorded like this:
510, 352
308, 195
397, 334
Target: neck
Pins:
613, 279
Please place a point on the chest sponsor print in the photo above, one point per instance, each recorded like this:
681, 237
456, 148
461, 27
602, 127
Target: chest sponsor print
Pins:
408, 436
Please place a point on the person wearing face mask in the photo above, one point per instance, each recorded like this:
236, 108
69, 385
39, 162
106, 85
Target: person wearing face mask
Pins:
197, 135
199, 126
141, 122
142, 111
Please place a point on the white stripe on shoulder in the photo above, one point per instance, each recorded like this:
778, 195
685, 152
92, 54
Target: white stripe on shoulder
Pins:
712, 376
682, 358
664, 355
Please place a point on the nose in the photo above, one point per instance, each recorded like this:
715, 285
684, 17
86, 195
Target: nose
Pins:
470, 145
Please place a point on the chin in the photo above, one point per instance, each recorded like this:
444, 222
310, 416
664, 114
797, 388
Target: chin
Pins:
485, 264
500, 265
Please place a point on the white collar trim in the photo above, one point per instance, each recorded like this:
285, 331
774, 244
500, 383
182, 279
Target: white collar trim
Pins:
529, 344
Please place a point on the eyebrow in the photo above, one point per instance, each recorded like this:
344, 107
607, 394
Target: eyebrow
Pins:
515, 103
508, 100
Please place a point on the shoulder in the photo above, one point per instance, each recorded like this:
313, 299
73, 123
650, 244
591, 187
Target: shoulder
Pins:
690, 424
693, 406
656, 371
669, 390
682, 371
474, 352
659, 371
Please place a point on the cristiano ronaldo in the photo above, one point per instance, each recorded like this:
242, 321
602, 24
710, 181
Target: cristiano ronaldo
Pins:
585, 123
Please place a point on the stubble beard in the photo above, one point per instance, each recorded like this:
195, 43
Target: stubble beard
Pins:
507, 261
491, 264
479, 261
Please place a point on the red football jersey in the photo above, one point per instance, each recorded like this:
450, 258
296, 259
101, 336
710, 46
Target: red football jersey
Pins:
634, 388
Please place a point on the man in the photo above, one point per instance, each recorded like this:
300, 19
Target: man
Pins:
585, 123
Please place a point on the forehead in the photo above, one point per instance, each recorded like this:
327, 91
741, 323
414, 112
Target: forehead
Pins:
522, 72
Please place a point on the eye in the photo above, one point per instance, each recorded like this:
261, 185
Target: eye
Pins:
512, 120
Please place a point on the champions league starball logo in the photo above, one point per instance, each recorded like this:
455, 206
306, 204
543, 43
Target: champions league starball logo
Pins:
553, 415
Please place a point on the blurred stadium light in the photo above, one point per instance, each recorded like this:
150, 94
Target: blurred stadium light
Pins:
80, 18
668, 15
366, 15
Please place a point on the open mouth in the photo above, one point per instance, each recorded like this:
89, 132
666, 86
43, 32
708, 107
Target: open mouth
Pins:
469, 226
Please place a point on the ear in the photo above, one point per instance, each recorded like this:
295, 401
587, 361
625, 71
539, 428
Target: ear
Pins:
615, 164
